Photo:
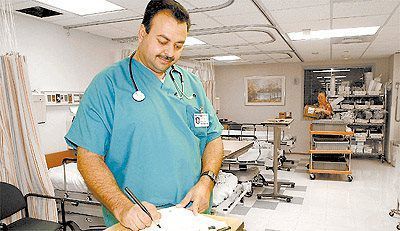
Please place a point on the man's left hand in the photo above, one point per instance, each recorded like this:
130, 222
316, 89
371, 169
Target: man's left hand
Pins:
199, 195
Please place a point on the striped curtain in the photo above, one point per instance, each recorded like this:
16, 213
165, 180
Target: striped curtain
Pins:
21, 161
206, 73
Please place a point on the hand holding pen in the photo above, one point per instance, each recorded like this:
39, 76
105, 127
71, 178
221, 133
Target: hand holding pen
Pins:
135, 217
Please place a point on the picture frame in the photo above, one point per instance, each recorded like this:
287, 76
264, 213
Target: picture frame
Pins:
264, 90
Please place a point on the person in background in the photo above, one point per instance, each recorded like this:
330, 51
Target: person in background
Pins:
151, 144
324, 107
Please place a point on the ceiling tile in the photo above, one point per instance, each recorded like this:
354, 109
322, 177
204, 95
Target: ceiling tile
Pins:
363, 21
240, 49
306, 14
395, 19
242, 19
320, 48
201, 20
221, 39
257, 37
72, 21
238, 7
112, 15
107, 31
138, 6
342, 51
278, 45
363, 8
272, 5
301, 25
202, 3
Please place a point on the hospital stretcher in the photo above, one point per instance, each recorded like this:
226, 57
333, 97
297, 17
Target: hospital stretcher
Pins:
79, 204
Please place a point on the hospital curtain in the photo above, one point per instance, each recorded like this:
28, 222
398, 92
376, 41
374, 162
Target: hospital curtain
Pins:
21, 161
206, 73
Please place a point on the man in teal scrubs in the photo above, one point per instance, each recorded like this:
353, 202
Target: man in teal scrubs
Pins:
167, 148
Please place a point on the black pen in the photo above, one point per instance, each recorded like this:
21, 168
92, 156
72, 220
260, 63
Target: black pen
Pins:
137, 201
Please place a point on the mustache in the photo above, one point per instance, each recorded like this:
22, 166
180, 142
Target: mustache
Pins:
169, 58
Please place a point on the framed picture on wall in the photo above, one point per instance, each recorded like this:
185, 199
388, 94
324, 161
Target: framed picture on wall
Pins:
264, 90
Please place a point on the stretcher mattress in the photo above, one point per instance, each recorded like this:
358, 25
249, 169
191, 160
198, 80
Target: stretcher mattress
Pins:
75, 181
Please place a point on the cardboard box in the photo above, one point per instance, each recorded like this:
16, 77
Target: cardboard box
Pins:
310, 112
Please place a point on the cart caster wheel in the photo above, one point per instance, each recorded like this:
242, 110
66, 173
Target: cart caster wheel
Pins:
391, 214
258, 197
249, 194
312, 176
292, 162
288, 200
292, 185
288, 169
308, 166
350, 178
398, 227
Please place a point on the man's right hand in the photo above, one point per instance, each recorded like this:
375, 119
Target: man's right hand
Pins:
134, 218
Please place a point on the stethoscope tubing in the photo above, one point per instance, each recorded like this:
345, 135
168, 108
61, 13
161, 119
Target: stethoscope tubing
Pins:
180, 92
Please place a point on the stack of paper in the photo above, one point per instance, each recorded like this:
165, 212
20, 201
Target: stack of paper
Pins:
175, 219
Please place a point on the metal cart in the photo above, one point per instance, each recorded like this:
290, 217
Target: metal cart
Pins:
330, 148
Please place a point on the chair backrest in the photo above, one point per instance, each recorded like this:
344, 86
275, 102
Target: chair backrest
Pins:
11, 200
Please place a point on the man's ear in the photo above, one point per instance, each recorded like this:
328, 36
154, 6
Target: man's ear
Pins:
142, 33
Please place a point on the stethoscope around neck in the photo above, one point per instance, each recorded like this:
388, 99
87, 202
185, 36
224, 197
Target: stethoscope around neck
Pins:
138, 95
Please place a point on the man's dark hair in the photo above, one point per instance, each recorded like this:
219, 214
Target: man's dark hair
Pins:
155, 6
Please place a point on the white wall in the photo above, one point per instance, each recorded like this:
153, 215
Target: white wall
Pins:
61, 62
230, 88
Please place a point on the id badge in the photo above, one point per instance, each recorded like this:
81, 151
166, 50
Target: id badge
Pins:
201, 120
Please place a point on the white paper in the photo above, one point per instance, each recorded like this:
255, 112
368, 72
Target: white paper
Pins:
176, 219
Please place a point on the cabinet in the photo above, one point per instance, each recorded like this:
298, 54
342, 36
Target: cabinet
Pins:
330, 151
366, 116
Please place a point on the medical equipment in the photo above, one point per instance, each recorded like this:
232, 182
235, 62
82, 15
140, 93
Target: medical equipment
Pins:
181, 93
139, 96
79, 206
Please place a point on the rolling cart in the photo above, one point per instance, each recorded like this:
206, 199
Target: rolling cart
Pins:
330, 148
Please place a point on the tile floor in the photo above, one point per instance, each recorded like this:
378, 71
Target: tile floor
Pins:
328, 203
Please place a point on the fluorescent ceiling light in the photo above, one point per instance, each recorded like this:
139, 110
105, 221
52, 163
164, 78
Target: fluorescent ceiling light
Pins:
226, 58
83, 7
191, 41
319, 77
327, 77
332, 70
335, 33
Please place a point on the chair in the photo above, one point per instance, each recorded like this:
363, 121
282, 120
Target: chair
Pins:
12, 201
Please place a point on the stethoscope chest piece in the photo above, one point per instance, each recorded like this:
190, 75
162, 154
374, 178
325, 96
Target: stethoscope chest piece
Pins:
138, 96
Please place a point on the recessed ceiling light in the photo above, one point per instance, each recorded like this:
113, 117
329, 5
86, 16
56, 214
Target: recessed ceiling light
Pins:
335, 33
226, 58
191, 41
83, 7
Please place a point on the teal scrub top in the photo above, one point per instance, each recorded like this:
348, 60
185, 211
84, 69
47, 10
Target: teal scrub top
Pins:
152, 146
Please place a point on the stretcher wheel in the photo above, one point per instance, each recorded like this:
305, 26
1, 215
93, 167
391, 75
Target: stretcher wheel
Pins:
350, 178
288, 169
258, 197
308, 166
398, 227
292, 162
292, 185
391, 213
288, 200
312, 176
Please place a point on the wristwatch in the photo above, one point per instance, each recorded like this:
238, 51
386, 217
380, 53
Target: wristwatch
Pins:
211, 175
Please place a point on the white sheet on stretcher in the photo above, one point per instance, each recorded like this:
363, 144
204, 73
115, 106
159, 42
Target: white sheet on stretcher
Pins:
75, 181
224, 187
253, 154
